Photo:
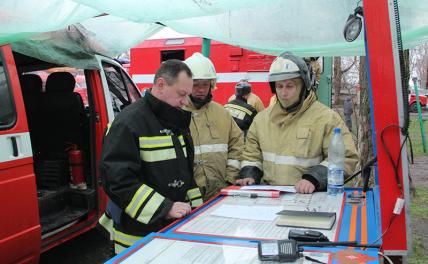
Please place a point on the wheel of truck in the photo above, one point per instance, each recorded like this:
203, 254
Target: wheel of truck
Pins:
413, 108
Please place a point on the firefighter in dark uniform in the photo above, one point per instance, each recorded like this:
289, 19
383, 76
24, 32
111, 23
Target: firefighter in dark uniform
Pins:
147, 160
242, 112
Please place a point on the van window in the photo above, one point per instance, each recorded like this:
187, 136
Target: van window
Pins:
7, 107
122, 91
172, 54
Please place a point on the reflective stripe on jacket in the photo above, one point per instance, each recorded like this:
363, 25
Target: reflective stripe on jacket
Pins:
218, 147
252, 100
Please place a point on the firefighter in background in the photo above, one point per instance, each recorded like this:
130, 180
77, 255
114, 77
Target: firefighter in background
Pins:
242, 112
348, 111
147, 160
252, 99
316, 69
218, 140
287, 144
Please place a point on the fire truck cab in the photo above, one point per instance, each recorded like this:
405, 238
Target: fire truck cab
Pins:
39, 125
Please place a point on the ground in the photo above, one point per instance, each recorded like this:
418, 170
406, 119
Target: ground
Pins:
419, 211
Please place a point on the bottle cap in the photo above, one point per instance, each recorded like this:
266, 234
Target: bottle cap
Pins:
337, 130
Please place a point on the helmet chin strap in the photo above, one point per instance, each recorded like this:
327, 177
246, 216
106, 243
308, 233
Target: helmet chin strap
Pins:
199, 103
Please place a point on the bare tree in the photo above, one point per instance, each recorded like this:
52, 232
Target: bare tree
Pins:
418, 64
364, 125
344, 76
337, 78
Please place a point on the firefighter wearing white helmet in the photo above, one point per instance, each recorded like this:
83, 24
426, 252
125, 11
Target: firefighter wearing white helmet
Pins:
217, 139
287, 144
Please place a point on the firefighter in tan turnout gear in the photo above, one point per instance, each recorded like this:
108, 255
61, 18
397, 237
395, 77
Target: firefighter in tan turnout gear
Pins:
287, 143
147, 160
217, 139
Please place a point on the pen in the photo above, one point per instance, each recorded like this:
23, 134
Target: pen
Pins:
249, 195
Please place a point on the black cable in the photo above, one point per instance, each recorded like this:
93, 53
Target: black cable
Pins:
394, 165
314, 260
354, 244
366, 166
404, 90
384, 232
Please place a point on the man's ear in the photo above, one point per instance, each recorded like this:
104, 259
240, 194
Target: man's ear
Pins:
160, 83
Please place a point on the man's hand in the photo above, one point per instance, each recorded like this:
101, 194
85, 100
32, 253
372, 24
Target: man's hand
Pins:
178, 210
304, 186
245, 181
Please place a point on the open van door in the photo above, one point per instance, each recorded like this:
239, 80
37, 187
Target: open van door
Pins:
20, 227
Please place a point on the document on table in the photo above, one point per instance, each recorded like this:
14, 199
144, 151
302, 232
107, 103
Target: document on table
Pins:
264, 213
289, 189
164, 250
206, 223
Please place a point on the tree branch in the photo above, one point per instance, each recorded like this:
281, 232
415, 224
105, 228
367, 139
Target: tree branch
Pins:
350, 66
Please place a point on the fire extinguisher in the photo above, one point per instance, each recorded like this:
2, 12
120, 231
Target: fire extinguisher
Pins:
76, 168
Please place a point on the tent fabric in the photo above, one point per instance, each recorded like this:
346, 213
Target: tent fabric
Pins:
306, 28
78, 43
25, 18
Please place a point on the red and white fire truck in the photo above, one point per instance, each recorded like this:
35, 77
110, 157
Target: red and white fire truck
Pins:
232, 64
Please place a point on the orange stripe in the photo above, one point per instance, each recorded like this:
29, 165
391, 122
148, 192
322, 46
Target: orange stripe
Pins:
364, 223
353, 223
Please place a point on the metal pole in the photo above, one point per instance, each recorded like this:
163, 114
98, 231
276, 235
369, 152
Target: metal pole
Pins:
421, 122
206, 46
324, 87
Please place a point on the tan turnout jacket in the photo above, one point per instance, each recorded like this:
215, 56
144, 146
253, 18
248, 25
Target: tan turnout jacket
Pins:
218, 145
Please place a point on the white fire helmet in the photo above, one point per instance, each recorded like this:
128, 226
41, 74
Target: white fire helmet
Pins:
288, 66
202, 68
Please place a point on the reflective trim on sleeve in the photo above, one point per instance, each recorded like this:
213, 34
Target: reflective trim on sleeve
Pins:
125, 239
234, 163
158, 155
137, 200
291, 160
210, 148
196, 202
185, 151
324, 163
193, 193
239, 108
181, 139
107, 223
195, 197
150, 208
155, 142
118, 248
257, 164
235, 113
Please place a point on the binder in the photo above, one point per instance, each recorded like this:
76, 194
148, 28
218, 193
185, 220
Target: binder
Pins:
237, 191
306, 219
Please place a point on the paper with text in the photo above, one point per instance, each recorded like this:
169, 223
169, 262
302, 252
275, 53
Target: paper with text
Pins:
163, 250
264, 213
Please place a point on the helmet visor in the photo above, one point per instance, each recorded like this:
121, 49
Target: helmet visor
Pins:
281, 76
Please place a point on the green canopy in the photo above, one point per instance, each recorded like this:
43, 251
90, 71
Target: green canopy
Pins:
83, 28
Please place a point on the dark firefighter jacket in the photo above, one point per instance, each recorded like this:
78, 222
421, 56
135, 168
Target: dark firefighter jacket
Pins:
147, 164
242, 112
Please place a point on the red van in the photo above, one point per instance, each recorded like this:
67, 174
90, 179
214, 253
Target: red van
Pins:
50, 144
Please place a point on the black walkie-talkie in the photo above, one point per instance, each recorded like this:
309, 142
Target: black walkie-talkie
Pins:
307, 236
279, 250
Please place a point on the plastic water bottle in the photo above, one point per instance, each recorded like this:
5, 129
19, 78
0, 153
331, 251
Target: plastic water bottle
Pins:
336, 162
